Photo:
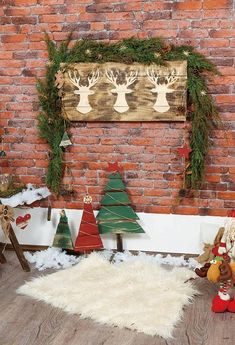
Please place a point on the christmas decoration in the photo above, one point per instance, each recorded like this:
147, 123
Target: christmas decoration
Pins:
186, 53
5, 181
88, 237
203, 116
211, 250
59, 79
113, 167
184, 151
6, 217
115, 215
65, 141
221, 269
67, 189
23, 221
62, 237
119, 80
231, 213
2, 153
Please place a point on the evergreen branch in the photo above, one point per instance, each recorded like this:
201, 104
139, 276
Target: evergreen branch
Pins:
152, 50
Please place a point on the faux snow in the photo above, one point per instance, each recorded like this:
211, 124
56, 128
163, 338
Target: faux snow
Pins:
27, 196
157, 258
51, 258
55, 258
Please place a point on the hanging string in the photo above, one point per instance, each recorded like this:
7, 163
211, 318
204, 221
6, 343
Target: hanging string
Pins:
87, 234
119, 202
113, 227
117, 214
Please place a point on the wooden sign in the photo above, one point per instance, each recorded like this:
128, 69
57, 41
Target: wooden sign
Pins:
120, 92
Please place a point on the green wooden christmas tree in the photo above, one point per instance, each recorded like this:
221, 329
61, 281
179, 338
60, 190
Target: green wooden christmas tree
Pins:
62, 237
116, 215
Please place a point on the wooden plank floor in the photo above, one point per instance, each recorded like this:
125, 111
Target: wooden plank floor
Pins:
24, 321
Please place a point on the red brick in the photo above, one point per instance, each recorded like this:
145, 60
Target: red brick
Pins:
25, 2
226, 195
97, 26
23, 46
211, 4
119, 25
17, 11
7, 29
119, 16
156, 5
153, 24
181, 14
225, 99
156, 192
188, 5
52, 18
6, 55
222, 33
31, 179
214, 42
216, 14
10, 71
221, 212
194, 33
12, 63
212, 178
132, 6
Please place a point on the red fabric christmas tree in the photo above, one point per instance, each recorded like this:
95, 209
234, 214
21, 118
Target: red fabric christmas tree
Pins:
88, 237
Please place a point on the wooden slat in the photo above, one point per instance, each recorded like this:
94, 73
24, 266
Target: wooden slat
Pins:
2, 257
114, 185
120, 227
116, 213
18, 250
146, 99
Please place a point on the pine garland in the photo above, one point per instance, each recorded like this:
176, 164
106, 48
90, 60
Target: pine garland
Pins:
153, 50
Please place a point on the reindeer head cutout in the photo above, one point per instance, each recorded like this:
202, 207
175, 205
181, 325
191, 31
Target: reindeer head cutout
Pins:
84, 91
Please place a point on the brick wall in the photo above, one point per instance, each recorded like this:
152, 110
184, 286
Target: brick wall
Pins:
146, 151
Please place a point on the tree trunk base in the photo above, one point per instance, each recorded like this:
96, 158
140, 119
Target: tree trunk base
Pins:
119, 243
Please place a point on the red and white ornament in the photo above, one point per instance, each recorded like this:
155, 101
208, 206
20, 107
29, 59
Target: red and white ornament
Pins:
22, 221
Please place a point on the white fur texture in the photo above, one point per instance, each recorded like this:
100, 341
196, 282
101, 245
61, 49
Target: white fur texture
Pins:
138, 295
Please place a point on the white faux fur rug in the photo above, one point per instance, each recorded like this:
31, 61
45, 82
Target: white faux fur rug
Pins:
138, 295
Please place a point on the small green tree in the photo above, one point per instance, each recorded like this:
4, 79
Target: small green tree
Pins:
62, 237
116, 215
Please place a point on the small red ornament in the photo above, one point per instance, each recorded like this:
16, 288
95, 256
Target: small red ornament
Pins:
231, 213
184, 151
22, 221
113, 167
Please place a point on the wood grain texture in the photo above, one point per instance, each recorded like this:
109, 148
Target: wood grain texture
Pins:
24, 321
119, 92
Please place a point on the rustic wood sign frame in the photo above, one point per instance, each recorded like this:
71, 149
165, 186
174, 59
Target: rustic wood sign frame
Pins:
121, 92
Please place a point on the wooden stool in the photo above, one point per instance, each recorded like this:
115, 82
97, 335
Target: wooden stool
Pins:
17, 248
